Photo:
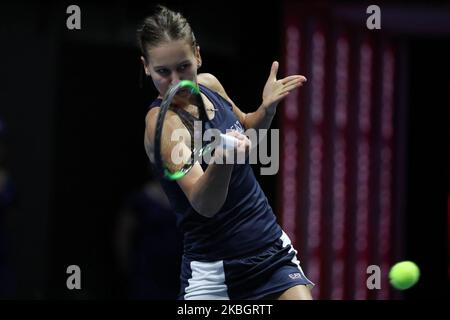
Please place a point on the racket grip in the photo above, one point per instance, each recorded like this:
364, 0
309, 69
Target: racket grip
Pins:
228, 142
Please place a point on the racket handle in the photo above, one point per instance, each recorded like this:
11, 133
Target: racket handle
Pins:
228, 142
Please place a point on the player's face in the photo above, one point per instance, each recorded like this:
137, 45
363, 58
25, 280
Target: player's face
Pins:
171, 62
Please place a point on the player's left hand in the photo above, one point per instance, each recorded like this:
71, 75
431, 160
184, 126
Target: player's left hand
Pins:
277, 89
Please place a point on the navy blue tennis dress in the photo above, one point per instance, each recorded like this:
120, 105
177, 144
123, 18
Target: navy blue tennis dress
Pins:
241, 252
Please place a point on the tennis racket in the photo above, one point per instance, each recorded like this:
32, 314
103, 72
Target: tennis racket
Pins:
189, 94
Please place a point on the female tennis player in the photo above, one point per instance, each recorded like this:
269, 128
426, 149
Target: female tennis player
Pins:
233, 246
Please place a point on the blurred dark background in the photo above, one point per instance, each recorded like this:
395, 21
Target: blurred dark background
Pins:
72, 119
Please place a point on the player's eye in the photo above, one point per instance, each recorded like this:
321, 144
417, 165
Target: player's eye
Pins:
185, 66
163, 72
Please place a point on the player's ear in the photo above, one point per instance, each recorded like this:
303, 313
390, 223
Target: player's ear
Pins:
146, 68
198, 57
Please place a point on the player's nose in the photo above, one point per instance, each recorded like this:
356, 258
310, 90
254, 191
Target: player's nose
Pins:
175, 79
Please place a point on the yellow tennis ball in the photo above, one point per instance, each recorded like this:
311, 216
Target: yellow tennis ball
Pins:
404, 275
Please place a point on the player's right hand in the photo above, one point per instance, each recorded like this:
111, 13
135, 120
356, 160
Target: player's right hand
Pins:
234, 148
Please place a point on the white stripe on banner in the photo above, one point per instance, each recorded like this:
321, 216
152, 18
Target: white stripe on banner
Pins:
385, 194
315, 165
363, 171
290, 155
339, 230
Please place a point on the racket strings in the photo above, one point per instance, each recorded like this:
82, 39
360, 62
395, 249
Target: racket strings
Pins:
168, 170
187, 119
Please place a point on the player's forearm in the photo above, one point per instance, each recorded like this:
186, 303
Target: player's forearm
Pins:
211, 189
260, 119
